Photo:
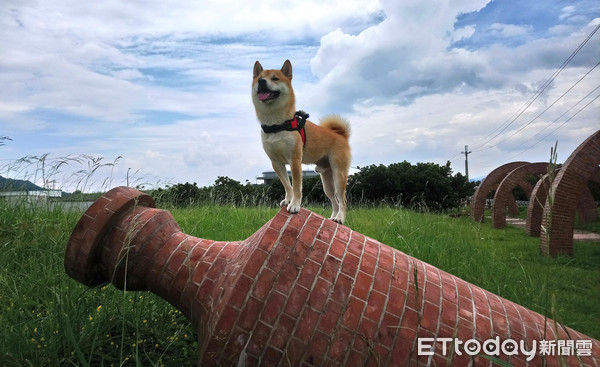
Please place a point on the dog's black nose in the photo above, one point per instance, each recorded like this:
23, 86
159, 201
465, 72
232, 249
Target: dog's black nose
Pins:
262, 82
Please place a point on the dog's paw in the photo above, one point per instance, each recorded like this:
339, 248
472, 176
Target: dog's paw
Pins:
338, 219
293, 208
284, 202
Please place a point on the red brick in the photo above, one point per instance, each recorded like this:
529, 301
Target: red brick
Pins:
273, 307
341, 344
382, 280
330, 317
430, 317
286, 279
282, 332
449, 313
318, 348
372, 247
255, 262
227, 320
396, 301
308, 274
269, 239
250, 313
319, 294
263, 284
296, 301
259, 338
329, 268
342, 288
362, 285
337, 248
432, 293
375, 306
353, 313
238, 295
318, 251
367, 264
350, 264
307, 324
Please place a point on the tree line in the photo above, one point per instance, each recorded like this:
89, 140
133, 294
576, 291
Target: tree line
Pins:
423, 186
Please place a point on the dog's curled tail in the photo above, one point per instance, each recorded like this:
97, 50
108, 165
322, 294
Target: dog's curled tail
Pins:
338, 124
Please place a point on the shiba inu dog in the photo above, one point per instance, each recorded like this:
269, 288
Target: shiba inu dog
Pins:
289, 138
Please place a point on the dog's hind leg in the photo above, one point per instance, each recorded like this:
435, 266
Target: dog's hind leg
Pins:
329, 188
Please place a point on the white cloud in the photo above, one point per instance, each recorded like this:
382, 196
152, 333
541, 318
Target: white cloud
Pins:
509, 30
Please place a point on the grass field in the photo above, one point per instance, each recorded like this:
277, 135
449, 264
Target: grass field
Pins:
49, 319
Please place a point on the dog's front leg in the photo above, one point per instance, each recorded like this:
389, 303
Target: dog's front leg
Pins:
281, 172
296, 166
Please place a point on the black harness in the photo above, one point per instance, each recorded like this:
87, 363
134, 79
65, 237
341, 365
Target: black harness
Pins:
297, 124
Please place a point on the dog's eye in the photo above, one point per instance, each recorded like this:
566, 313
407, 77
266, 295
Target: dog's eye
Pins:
274, 78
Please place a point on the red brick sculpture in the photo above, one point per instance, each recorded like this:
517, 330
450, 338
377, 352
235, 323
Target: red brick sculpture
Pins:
586, 206
305, 291
490, 183
569, 184
516, 177
535, 209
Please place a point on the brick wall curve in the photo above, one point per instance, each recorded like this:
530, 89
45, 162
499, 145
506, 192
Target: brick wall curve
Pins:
516, 177
489, 183
568, 186
535, 210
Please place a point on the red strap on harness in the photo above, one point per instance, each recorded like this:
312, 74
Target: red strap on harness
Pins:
301, 131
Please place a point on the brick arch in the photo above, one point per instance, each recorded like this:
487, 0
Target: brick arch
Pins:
490, 183
586, 206
516, 177
568, 186
535, 210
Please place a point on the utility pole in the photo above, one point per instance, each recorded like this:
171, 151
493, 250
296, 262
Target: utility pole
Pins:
466, 153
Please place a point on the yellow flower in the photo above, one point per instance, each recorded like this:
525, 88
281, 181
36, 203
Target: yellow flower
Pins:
35, 330
90, 317
98, 308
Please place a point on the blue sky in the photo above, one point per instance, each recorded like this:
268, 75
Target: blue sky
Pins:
164, 86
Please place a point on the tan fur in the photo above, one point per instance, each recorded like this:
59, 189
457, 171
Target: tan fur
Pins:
326, 144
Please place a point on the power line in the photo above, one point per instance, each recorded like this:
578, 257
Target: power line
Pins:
539, 92
555, 120
544, 111
561, 125
558, 127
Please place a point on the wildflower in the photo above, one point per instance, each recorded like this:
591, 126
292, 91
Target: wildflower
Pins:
35, 330
90, 317
98, 308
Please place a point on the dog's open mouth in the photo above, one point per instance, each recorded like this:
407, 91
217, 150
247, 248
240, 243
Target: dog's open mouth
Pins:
267, 96
264, 94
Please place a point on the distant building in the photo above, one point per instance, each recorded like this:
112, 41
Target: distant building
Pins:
270, 176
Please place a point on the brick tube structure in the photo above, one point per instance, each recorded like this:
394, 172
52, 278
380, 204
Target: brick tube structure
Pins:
490, 183
586, 206
569, 184
516, 177
301, 291
535, 210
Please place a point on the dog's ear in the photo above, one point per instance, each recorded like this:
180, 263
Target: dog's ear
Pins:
257, 68
286, 69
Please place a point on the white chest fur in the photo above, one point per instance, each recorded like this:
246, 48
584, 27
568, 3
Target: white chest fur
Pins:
279, 146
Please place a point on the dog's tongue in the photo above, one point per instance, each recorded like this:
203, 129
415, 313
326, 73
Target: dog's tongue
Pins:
263, 96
